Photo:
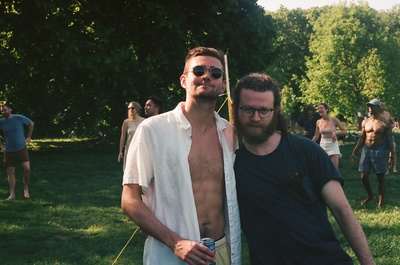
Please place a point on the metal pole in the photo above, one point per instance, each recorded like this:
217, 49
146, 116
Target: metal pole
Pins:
228, 91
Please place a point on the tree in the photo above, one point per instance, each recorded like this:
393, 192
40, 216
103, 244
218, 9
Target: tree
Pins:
347, 66
290, 48
74, 65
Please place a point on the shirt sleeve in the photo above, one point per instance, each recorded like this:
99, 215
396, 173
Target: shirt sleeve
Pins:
139, 168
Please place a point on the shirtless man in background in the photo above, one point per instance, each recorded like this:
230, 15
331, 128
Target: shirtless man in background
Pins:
387, 116
181, 162
373, 157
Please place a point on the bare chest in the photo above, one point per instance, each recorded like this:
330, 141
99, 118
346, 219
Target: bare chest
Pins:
375, 127
205, 156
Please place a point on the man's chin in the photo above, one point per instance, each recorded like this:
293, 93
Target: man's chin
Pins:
256, 139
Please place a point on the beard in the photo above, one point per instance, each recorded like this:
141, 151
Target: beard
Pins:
255, 133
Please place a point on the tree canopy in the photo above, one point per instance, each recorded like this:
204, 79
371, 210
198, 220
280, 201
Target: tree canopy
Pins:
72, 66
349, 62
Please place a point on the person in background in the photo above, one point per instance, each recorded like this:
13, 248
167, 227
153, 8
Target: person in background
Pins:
181, 163
326, 130
14, 147
376, 137
387, 116
153, 106
285, 183
128, 129
306, 124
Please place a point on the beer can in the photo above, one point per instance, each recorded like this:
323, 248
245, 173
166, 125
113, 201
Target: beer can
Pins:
210, 243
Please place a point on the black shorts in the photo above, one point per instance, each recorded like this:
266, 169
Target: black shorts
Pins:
11, 157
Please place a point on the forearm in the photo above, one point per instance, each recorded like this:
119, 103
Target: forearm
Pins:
146, 220
299, 128
354, 234
359, 144
390, 145
121, 144
341, 132
30, 129
122, 138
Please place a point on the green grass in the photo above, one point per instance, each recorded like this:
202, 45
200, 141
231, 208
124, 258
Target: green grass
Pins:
74, 215
381, 226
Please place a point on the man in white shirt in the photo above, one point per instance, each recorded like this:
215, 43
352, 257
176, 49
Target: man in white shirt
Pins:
181, 162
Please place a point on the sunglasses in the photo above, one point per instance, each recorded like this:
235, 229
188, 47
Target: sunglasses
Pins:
200, 70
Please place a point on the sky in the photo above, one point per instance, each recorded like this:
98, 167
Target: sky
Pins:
273, 5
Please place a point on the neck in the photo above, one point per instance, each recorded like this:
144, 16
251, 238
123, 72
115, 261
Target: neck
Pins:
376, 115
134, 117
200, 116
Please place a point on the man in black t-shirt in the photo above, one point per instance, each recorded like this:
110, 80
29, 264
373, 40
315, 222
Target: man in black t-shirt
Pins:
306, 123
285, 184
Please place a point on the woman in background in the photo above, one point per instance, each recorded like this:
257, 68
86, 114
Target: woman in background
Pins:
129, 127
326, 128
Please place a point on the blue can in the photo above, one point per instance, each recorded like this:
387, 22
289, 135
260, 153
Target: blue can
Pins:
210, 243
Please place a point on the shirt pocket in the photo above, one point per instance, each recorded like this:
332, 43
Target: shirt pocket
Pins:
302, 189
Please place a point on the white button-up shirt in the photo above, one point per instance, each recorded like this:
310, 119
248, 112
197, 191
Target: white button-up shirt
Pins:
158, 161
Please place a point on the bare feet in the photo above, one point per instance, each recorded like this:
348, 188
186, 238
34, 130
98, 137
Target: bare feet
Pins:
26, 193
367, 200
10, 198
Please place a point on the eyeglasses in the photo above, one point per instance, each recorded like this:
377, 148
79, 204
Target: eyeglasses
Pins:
262, 112
200, 70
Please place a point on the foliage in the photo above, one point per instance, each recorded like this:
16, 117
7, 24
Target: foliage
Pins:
74, 65
349, 63
290, 48
288, 101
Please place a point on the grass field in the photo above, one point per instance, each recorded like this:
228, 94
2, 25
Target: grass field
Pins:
74, 215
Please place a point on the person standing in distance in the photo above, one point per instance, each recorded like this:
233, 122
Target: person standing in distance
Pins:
307, 122
392, 156
327, 133
375, 138
285, 184
128, 129
153, 106
181, 161
14, 147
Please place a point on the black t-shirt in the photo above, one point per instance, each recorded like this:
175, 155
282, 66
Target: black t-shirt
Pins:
309, 124
282, 212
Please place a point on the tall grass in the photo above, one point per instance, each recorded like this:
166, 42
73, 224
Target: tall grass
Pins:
74, 215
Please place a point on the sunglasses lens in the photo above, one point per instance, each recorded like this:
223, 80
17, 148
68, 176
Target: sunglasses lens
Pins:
216, 73
198, 70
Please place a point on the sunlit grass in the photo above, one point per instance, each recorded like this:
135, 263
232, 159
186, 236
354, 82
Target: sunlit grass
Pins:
74, 215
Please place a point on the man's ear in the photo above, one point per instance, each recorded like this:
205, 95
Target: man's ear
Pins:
223, 86
183, 81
